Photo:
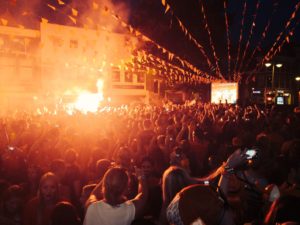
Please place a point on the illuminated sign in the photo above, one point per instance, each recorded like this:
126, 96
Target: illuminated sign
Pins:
222, 92
256, 92
280, 100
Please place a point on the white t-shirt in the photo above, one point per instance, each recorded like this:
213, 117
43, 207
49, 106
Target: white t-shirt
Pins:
102, 213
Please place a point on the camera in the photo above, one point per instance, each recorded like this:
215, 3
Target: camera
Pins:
251, 153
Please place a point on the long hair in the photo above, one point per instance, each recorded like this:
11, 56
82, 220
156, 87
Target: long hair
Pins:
174, 179
115, 183
48, 176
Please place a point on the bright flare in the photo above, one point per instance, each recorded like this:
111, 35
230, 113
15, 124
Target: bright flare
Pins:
89, 102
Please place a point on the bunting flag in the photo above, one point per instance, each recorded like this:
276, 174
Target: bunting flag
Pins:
271, 53
74, 12
60, 2
189, 35
285, 40
228, 39
72, 19
279, 37
263, 36
240, 40
190, 69
4, 21
138, 34
250, 35
211, 42
95, 6
43, 20
51, 7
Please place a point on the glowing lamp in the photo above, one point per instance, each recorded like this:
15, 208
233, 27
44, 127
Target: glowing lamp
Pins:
268, 64
297, 78
278, 65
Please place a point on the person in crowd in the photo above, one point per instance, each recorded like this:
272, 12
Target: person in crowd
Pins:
115, 208
174, 179
38, 210
11, 205
199, 204
31, 184
85, 194
284, 209
64, 213
58, 167
154, 202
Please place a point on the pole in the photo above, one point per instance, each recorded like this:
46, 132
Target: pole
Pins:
273, 76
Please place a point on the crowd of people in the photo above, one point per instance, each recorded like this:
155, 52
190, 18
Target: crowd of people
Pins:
196, 163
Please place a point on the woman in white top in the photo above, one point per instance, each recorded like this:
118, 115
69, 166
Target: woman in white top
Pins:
115, 209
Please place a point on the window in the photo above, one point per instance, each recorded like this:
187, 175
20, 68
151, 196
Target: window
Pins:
140, 77
116, 75
128, 76
73, 44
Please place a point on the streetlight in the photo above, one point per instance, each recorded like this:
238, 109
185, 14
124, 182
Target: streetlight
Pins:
278, 65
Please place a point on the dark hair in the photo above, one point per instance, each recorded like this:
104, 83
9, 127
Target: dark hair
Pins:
102, 166
64, 213
57, 165
146, 159
115, 183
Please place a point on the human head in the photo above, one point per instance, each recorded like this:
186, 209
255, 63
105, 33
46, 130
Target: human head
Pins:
48, 188
199, 203
85, 193
174, 179
147, 124
70, 156
58, 167
102, 166
147, 166
64, 213
12, 200
115, 182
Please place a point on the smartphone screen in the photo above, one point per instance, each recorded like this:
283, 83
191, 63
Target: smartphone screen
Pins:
251, 153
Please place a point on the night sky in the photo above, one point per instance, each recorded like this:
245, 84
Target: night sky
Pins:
149, 17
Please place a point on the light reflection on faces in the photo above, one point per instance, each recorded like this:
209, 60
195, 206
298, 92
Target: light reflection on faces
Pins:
49, 190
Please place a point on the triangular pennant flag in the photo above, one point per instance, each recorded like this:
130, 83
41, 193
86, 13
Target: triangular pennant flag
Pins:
123, 24
4, 21
52, 7
167, 8
60, 2
44, 20
131, 29
95, 6
89, 20
73, 19
74, 12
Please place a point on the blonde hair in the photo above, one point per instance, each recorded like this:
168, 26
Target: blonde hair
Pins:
48, 176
